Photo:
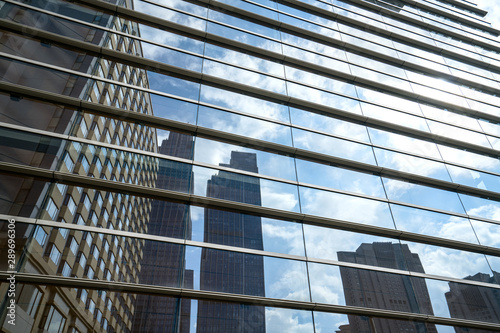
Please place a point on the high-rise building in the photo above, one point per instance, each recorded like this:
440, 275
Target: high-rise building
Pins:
238, 273
474, 302
384, 290
249, 166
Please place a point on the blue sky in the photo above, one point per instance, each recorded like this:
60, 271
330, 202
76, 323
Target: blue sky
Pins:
493, 11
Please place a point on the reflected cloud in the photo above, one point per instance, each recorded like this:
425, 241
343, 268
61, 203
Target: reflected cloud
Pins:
286, 320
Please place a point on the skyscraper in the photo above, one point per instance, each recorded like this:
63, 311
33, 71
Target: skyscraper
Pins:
229, 272
378, 289
468, 301
249, 165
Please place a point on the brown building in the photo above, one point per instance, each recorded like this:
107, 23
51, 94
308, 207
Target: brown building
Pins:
474, 302
382, 290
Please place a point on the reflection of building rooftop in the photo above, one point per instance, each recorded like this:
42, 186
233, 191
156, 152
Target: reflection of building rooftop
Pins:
243, 273
474, 302
384, 290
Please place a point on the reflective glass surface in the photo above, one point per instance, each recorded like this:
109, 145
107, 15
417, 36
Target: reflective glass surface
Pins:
249, 166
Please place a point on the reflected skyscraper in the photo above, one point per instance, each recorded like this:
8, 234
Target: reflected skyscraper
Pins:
384, 290
249, 166
65, 252
474, 302
233, 272
163, 263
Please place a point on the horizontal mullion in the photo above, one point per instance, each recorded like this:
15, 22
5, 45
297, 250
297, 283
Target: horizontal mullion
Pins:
333, 72
196, 200
164, 239
208, 133
393, 14
70, 282
130, 14
137, 61
390, 173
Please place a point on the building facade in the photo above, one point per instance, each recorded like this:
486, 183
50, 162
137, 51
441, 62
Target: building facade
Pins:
249, 166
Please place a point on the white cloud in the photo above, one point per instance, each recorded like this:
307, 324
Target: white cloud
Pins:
493, 15
286, 320
346, 207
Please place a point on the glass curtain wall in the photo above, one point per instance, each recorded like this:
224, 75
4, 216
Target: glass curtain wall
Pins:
249, 166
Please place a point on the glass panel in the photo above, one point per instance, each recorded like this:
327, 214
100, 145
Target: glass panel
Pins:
373, 289
488, 234
381, 98
169, 38
244, 37
16, 111
332, 146
217, 153
323, 98
433, 224
248, 274
326, 284
246, 189
242, 125
345, 207
243, 59
313, 46
474, 178
463, 157
453, 299
328, 124
449, 117
444, 261
29, 149
404, 143
456, 133
322, 59
175, 16
225, 17
244, 103
422, 195
243, 76
338, 178
235, 229
333, 244
320, 81
480, 207
411, 164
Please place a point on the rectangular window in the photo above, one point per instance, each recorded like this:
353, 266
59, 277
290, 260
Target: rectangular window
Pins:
55, 255
80, 220
95, 252
83, 126
40, 235
66, 270
29, 299
91, 306
74, 246
82, 259
63, 232
68, 161
52, 209
83, 295
90, 272
86, 202
55, 321
88, 238
71, 205
85, 164
98, 198
62, 188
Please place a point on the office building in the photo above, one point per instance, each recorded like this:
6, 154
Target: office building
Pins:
468, 301
379, 289
250, 165
236, 273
